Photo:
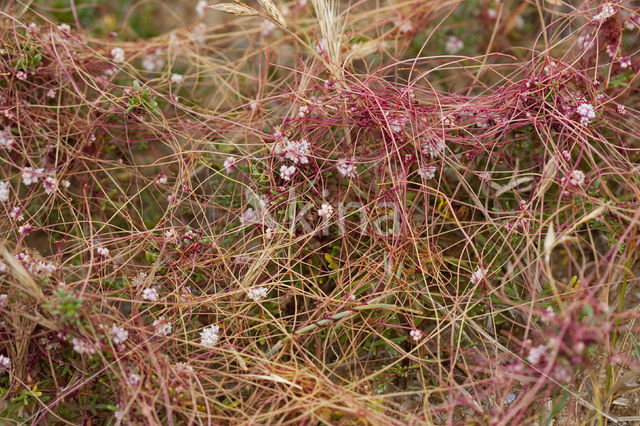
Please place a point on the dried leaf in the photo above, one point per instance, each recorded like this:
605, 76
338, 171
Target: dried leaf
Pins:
549, 242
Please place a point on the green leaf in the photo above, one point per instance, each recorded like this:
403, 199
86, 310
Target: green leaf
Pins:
558, 407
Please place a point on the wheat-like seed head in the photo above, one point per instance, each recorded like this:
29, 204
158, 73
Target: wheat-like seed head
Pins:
273, 12
330, 28
235, 8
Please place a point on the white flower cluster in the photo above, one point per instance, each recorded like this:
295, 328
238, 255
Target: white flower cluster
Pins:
170, 236
31, 175
433, 146
395, 125
631, 22
209, 335
184, 369
82, 347
297, 152
16, 212
229, 165
607, 11
404, 26
162, 327
453, 45
325, 211
346, 167
153, 62
4, 192
6, 138
102, 251
575, 179
426, 172
416, 334
287, 172
36, 266
4, 299
187, 294
269, 233
150, 294
537, 354
50, 184
25, 229
257, 293
162, 179
117, 53
138, 280
516, 224
249, 216
624, 63
134, 379
118, 334
267, 27
177, 78
5, 363
586, 113
478, 275
584, 41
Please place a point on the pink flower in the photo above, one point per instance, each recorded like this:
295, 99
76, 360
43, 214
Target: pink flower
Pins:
31, 175
326, 211
50, 185
586, 113
625, 62
346, 167
287, 172
161, 179
607, 11
537, 354
118, 335
25, 229
453, 45
229, 165
82, 347
102, 251
257, 293
433, 146
6, 138
134, 379
5, 363
162, 327
416, 334
426, 172
249, 216
150, 294
404, 26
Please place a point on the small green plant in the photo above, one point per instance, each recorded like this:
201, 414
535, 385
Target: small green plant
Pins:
65, 305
